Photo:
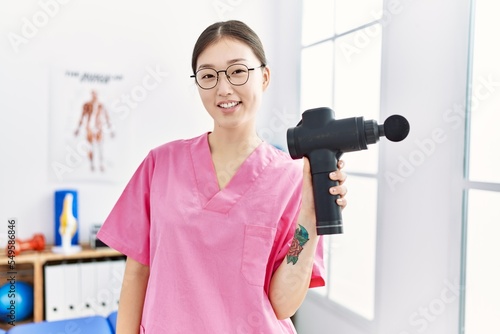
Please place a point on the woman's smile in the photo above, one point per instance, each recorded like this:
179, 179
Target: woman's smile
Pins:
229, 106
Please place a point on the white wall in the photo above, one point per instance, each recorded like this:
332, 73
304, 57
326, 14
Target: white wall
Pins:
418, 243
127, 36
424, 64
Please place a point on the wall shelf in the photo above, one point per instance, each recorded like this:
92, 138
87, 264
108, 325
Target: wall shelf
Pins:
29, 268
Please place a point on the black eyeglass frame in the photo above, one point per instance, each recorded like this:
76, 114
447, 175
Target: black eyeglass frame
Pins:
227, 76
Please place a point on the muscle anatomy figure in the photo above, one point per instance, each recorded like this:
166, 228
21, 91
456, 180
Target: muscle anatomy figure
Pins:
93, 118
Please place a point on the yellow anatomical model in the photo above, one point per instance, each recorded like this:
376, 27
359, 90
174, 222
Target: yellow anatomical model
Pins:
68, 223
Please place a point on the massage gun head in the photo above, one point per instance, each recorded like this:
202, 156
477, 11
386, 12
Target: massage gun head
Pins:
319, 130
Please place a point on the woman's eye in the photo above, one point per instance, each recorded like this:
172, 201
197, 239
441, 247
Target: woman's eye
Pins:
208, 77
238, 71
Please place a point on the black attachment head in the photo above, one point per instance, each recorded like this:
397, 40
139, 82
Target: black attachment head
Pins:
395, 128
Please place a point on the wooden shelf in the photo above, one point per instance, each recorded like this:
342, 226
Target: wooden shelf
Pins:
36, 261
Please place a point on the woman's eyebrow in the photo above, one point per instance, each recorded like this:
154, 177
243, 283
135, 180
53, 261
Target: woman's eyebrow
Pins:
237, 60
229, 62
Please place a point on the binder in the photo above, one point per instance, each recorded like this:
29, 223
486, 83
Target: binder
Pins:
83, 288
88, 282
104, 292
54, 295
72, 290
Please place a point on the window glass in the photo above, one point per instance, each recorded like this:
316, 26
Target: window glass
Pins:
485, 98
357, 86
350, 14
351, 255
482, 297
317, 76
342, 72
481, 268
317, 20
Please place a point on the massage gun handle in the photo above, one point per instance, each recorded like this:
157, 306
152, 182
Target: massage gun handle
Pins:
328, 212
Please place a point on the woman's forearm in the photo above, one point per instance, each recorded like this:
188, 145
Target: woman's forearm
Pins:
135, 281
291, 280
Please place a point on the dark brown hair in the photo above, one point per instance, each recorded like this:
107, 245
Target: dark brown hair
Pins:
233, 29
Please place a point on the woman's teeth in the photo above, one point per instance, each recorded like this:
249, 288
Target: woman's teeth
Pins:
228, 105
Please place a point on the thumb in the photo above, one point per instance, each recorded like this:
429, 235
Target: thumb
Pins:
307, 166
306, 171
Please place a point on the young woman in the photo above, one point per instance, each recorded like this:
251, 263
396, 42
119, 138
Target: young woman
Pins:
219, 230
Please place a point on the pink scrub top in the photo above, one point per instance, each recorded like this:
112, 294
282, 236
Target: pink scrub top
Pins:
211, 252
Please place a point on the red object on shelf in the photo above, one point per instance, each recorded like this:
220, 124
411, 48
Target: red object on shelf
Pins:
37, 243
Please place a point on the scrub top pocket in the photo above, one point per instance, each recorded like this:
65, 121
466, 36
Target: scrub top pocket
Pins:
256, 249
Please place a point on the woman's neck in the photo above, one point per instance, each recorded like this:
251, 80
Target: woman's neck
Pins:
233, 144
229, 151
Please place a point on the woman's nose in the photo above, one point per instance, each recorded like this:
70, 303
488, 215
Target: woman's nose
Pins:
224, 87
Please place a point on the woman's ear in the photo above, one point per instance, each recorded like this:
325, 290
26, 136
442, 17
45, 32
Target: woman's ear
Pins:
266, 77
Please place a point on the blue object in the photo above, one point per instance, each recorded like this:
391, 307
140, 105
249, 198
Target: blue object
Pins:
59, 196
91, 325
16, 301
112, 320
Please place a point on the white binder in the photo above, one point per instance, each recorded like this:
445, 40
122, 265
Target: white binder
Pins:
88, 284
54, 293
81, 289
72, 290
104, 292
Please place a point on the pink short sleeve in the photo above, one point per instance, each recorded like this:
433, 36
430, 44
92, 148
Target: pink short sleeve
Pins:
126, 229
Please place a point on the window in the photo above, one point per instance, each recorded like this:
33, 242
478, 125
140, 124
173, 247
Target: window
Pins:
481, 267
340, 69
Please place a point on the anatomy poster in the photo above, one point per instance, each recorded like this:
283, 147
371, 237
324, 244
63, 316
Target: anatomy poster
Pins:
89, 135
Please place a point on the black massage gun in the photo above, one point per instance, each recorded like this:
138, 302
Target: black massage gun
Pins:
322, 139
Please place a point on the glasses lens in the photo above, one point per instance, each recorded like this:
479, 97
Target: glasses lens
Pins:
206, 78
237, 74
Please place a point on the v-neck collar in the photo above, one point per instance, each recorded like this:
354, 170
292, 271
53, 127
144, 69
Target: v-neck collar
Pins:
213, 198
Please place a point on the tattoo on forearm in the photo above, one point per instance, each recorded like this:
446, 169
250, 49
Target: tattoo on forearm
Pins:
299, 240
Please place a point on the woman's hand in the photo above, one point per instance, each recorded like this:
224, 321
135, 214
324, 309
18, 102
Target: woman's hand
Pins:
307, 189
341, 189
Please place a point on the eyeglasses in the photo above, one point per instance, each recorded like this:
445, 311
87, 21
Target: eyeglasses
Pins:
236, 74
